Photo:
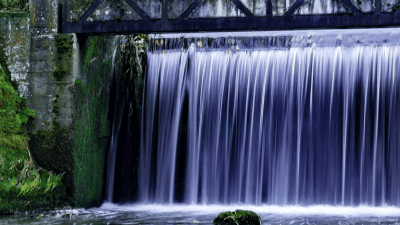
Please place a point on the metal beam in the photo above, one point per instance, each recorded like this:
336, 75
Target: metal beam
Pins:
250, 22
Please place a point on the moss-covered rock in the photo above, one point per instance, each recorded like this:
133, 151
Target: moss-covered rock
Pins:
53, 150
238, 217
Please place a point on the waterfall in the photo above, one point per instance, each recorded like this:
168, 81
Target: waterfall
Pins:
269, 121
112, 149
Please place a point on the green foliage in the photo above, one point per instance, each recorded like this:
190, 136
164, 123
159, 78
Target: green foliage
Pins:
52, 182
24, 186
56, 109
133, 53
56, 124
3, 64
12, 115
56, 106
14, 5
238, 217
78, 82
3, 4
64, 44
53, 149
91, 52
59, 73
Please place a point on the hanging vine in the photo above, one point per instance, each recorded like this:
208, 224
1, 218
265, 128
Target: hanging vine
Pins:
133, 50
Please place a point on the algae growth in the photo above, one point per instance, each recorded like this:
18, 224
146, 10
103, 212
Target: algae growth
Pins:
14, 5
64, 45
92, 127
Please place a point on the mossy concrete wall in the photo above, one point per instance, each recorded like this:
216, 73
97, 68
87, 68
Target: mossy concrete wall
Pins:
69, 90
92, 126
64, 78
15, 41
50, 91
50, 73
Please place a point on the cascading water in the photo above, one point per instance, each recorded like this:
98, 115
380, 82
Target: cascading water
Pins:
279, 120
285, 119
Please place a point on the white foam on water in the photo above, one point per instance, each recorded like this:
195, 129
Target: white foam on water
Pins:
315, 210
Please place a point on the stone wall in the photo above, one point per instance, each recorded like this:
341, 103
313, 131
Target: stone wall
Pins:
16, 42
69, 91
65, 80
51, 72
37, 55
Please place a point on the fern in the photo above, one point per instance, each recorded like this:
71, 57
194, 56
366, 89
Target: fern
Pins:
52, 182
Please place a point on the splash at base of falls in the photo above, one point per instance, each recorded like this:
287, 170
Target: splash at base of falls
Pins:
204, 214
315, 210
270, 214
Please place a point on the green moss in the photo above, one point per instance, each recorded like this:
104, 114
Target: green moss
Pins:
64, 44
92, 128
14, 14
238, 217
13, 5
56, 106
56, 109
56, 124
59, 73
53, 150
3, 65
25, 186
91, 52
78, 82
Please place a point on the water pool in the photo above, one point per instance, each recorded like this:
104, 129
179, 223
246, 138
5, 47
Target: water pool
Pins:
204, 214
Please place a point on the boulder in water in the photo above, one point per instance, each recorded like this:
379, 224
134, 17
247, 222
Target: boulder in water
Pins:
237, 217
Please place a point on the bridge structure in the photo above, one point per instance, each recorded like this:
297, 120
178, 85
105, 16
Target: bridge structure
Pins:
160, 16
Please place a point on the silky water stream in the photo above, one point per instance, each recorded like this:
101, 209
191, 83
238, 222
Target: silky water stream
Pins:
301, 127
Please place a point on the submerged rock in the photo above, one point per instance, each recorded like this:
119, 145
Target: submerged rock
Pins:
237, 217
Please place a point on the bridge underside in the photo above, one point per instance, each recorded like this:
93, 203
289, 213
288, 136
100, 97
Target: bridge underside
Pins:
159, 16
